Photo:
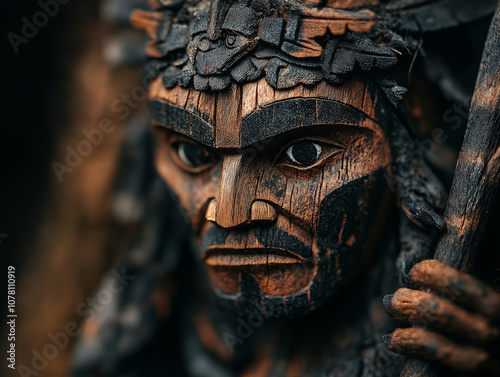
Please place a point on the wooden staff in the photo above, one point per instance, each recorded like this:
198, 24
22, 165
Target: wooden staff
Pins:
477, 176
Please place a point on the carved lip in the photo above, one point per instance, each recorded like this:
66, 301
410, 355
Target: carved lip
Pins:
216, 256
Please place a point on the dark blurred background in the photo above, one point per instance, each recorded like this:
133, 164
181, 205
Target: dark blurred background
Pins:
58, 235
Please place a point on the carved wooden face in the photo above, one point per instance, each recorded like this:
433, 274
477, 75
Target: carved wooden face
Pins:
281, 188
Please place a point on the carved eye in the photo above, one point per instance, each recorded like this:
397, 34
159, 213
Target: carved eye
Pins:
193, 157
204, 44
306, 153
231, 40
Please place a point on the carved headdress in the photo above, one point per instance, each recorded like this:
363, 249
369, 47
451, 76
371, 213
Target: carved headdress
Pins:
209, 44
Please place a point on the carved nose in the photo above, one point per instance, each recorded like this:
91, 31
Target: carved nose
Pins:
260, 212
236, 203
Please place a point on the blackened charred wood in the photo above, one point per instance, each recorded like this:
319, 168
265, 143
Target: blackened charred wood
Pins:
477, 176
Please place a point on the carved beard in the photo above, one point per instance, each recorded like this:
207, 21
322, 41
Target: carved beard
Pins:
284, 287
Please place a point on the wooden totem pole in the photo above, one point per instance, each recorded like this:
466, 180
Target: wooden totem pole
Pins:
285, 145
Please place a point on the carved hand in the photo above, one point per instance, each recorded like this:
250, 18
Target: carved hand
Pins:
455, 319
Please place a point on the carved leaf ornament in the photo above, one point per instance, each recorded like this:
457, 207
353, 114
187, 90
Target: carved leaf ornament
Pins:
207, 45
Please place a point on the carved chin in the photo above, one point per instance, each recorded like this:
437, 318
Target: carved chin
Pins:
277, 272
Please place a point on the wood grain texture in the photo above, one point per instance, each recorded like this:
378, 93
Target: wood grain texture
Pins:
234, 117
477, 175
237, 97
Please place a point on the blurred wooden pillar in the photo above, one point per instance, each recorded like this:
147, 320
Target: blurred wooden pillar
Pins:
76, 240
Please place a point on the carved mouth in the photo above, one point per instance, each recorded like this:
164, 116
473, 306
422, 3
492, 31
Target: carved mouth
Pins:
229, 257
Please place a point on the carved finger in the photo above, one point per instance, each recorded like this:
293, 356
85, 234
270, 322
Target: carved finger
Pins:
457, 287
434, 347
417, 307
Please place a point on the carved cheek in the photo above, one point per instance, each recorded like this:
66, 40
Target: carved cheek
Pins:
350, 204
336, 203
194, 191
300, 192
363, 156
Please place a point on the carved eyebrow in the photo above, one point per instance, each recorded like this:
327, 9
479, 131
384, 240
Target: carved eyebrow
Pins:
289, 114
182, 121
267, 121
